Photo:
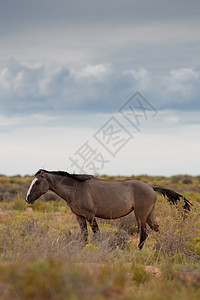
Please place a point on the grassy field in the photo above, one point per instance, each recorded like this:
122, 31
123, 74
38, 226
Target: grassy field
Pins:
42, 255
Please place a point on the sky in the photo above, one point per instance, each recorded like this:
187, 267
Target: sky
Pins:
100, 87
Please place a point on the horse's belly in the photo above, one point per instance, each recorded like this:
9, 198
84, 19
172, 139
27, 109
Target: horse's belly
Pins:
114, 207
113, 214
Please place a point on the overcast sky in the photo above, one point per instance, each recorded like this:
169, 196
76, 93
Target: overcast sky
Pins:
67, 67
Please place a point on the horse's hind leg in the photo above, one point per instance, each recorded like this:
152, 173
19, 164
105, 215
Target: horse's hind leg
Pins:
83, 226
152, 222
142, 231
143, 235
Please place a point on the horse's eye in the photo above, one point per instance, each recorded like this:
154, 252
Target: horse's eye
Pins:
37, 182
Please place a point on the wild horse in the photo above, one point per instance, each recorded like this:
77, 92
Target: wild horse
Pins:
89, 197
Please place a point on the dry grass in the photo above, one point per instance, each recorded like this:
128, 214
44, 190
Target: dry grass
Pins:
42, 255
177, 230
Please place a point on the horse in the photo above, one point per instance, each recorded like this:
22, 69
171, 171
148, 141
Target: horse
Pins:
90, 197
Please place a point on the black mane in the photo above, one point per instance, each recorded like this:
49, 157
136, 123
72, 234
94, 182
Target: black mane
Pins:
78, 177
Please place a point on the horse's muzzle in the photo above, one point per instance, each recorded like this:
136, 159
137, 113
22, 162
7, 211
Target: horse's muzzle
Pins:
29, 201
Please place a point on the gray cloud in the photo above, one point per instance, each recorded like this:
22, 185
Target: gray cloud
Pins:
51, 12
67, 64
39, 88
150, 34
89, 56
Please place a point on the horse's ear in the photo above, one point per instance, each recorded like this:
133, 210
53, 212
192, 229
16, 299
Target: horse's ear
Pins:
42, 173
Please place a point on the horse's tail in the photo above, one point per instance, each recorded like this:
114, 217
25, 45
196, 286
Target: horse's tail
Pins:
173, 197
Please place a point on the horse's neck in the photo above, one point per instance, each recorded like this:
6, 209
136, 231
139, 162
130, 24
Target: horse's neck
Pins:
64, 187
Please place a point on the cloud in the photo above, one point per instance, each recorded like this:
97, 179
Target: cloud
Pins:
75, 63
176, 89
169, 151
98, 71
33, 119
142, 78
93, 12
133, 33
28, 89
184, 81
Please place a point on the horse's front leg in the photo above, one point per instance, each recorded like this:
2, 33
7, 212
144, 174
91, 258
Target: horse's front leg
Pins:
83, 226
93, 223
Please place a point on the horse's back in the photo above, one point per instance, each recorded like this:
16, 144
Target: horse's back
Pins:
121, 188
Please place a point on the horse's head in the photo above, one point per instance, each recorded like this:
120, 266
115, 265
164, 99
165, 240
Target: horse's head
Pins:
38, 187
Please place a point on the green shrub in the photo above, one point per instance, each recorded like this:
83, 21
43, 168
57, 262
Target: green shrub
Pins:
139, 274
44, 279
19, 204
195, 244
176, 230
